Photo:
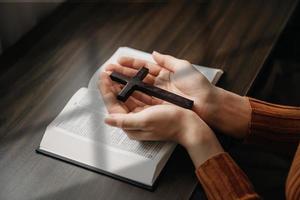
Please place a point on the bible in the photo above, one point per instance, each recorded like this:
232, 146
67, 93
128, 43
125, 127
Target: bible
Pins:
78, 135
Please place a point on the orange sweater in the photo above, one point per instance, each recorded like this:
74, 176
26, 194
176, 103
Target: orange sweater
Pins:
221, 177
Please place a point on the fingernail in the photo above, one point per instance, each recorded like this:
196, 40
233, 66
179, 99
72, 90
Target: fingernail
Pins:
110, 120
105, 69
119, 58
155, 53
104, 72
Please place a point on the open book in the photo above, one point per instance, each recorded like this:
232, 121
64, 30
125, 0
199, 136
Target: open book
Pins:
79, 135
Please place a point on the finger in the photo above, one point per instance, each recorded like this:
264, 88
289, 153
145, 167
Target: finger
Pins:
134, 98
128, 72
132, 103
135, 63
108, 92
146, 98
130, 121
138, 95
169, 62
139, 135
139, 109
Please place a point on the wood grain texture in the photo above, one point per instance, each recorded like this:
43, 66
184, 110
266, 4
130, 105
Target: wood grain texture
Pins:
236, 36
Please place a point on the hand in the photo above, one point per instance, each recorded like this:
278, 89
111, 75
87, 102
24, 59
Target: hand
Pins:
142, 121
172, 74
219, 108
109, 91
170, 123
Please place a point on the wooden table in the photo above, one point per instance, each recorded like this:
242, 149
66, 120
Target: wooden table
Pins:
65, 51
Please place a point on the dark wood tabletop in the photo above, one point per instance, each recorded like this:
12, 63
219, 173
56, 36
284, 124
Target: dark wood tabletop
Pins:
66, 50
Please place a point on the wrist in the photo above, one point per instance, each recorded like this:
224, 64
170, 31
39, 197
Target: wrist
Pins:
209, 104
198, 139
229, 113
202, 144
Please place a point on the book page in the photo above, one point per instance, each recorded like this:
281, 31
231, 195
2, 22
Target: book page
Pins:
84, 117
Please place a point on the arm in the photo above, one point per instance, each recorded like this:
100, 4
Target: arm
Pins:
221, 178
292, 188
219, 175
274, 122
220, 109
259, 122
232, 114
268, 122
228, 112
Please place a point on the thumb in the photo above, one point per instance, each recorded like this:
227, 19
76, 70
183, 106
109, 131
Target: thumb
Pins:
169, 62
130, 121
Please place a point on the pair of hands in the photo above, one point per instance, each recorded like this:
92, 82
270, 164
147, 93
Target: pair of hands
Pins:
146, 118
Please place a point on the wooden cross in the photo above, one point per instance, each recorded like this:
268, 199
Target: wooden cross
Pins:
136, 83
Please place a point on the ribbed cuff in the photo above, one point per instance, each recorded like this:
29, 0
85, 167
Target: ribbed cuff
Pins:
273, 122
221, 178
292, 187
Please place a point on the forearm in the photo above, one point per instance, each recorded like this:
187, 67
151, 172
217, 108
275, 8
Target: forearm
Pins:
292, 188
274, 122
219, 175
198, 139
274, 126
249, 118
221, 178
229, 113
